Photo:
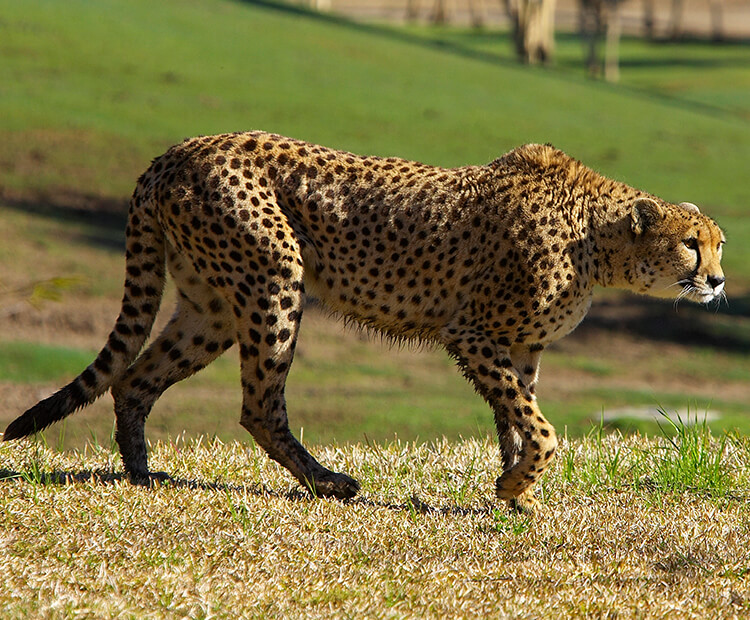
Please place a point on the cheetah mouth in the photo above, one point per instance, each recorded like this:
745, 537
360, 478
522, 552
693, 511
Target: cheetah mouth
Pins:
698, 293
704, 298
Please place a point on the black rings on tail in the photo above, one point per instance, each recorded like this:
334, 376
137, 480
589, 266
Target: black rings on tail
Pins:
144, 284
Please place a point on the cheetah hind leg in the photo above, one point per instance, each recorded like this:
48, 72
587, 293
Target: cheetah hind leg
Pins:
200, 330
266, 354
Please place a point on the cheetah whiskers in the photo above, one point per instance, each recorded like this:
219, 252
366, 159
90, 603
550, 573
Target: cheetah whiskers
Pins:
687, 288
718, 299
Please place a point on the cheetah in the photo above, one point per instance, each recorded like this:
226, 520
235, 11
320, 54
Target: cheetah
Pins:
492, 263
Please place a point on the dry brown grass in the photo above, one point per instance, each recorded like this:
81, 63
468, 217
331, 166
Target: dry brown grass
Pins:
234, 537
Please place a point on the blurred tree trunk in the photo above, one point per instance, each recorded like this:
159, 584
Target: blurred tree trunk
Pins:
477, 13
675, 19
648, 19
601, 18
441, 12
412, 10
533, 24
717, 21
612, 49
591, 25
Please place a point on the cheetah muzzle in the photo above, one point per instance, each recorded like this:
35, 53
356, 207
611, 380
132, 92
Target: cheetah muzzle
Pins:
491, 262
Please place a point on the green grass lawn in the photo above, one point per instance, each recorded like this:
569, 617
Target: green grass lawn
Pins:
143, 75
92, 91
688, 73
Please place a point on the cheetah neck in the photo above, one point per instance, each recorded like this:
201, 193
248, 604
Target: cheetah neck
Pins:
613, 258
593, 210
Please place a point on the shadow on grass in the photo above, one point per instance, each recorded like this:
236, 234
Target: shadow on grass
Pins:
100, 476
100, 222
726, 329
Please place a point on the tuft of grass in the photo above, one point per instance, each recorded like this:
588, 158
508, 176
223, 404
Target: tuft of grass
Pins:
691, 459
601, 460
685, 458
232, 534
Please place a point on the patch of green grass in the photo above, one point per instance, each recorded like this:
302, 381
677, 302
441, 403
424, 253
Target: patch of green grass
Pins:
590, 365
28, 362
691, 459
715, 364
684, 457
688, 73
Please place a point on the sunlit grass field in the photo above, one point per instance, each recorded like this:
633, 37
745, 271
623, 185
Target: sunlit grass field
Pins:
630, 528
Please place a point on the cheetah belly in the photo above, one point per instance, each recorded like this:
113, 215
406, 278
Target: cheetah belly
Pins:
383, 302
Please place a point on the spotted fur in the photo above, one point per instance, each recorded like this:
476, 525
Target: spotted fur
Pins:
492, 262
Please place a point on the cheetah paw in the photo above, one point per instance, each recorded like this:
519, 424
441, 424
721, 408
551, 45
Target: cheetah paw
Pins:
335, 485
525, 504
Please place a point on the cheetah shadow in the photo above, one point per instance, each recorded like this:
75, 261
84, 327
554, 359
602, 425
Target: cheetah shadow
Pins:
58, 477
104, 477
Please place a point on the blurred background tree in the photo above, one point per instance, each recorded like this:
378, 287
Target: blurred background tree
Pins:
532, 23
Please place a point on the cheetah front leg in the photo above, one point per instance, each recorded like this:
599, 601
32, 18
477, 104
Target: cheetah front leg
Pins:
525, 360
527, 440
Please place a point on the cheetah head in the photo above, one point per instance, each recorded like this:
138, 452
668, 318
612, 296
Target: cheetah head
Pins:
677, 251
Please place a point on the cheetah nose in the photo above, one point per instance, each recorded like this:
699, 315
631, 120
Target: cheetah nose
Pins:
716, 282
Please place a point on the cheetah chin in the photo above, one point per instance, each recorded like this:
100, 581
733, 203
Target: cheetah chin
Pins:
491, 262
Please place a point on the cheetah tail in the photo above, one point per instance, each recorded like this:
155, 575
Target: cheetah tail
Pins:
144, 284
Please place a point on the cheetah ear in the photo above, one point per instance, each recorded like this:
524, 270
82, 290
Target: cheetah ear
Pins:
645, 213
689, 206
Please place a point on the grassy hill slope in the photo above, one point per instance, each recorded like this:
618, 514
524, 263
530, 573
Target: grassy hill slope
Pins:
92, 91
146, 74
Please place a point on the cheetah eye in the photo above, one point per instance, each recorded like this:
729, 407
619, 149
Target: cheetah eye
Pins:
691, 243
